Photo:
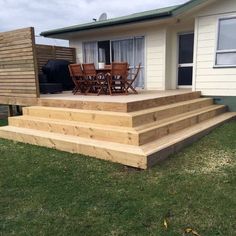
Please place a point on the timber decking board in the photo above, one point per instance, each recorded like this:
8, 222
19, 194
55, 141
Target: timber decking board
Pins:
106, 103
89, 116
154, 114
119, 134
139, 138
159, 150
178, 123
141, 157
121, 153
90, 131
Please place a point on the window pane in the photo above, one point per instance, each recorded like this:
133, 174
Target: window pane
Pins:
226, 58
227, 34
131, 51
186, 48
139, 58
90, 52
123, 51
185, 76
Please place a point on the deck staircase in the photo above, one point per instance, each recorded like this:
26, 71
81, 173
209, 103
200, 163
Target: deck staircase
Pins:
137, 134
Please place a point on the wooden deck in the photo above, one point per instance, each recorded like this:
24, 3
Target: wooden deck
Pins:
134, 130
116, 103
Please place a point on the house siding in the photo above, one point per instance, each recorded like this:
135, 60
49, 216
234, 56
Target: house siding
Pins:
209, 80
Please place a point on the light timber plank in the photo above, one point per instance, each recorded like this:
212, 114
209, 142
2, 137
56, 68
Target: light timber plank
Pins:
121, 153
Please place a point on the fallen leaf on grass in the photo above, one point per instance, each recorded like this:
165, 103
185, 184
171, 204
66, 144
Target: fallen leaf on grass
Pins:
165, 223
192, 231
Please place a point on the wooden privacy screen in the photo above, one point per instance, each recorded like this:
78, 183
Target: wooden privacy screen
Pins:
18, 69
45, 53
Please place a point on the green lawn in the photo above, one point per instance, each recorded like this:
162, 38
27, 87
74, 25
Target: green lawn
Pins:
48, 192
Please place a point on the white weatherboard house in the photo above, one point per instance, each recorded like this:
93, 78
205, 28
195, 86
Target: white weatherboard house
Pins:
191, 45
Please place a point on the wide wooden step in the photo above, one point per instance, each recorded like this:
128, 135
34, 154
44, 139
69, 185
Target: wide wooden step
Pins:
88, 116
137, 156
121, 153
160, 149
158, 113
126, 135
121, 106
123, 119
159, 129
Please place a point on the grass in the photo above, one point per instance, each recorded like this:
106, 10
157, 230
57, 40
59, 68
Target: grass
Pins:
48, 192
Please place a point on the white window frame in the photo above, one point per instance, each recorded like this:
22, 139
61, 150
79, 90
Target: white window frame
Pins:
217, 51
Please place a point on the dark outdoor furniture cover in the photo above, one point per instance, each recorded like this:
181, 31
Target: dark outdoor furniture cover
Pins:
57, 72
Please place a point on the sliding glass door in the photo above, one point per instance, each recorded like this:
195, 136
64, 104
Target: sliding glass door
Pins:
131, 50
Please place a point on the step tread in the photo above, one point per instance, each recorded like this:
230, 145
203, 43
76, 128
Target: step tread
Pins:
155, 145
170, 139
139, 129
84, 141
136, 156
76, 123
135, 113
173, 119
74, 110
172, 105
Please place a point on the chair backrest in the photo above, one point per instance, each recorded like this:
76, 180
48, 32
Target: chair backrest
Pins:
75, 70
89, 69
138, 68
119, 69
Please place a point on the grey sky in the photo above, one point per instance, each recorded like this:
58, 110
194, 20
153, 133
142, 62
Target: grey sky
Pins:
50, 14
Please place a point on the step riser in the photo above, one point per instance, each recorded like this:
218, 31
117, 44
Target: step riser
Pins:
111, 135
116, 119
169, 112
129, 159
141, 157
170, 128
119, 107
162, 155
79, 131
90, 117
162, 101
84, 105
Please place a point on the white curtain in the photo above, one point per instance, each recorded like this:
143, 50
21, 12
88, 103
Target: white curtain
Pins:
131, 51
123, 51
101, 55
139, 57
90, 53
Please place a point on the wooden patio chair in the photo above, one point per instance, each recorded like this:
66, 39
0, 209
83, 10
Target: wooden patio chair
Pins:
133, 76
96, 81
118, 77
77, 76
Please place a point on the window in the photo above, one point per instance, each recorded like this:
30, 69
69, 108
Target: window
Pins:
226, 46
130, 50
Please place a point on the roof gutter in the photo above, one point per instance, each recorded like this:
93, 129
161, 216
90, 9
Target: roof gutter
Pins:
97, 25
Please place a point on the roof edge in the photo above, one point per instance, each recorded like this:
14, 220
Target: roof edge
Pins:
187, 6
178, 10
106, 24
